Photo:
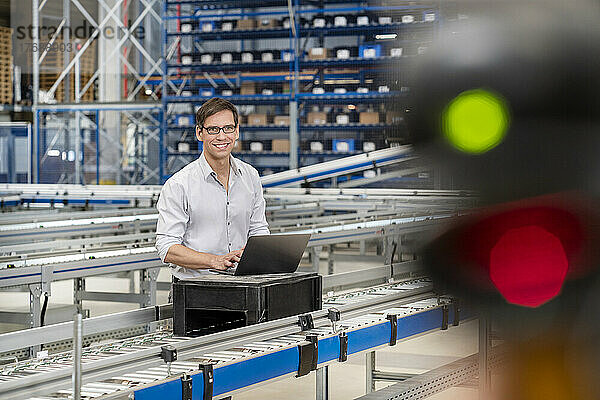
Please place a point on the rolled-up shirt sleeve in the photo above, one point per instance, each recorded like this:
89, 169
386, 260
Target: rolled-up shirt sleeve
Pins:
258, 219
173, 217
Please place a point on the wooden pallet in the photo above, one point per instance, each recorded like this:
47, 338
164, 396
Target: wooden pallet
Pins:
55, 58
47, 80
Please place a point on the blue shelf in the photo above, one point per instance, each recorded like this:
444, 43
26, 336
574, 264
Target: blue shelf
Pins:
226, 4
237, 34
218, 67
346, 127
279, 65
280, 32
275, 154
229, 4
353, 30
331, 98
276, 99
189, 76
239, 77
351, 62
244, 128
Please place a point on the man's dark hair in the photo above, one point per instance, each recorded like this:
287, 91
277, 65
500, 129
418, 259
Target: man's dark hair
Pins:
213, 106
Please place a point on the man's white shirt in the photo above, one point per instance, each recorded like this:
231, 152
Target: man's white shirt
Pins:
196, 211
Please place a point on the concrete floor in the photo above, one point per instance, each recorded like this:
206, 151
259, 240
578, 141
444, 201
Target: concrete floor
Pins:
347, 380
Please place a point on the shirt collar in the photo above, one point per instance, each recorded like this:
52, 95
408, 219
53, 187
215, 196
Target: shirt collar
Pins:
207, 170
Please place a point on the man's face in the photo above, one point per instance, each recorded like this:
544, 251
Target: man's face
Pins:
218, 146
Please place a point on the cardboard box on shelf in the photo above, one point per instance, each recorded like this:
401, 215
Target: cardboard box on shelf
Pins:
368, 117
248, 88
257, 119
281, 120
280, 145
316, 118
245, 24
267, 23
317, 53
393, 117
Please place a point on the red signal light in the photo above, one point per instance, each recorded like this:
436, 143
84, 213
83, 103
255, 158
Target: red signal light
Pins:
528, 266
524, 251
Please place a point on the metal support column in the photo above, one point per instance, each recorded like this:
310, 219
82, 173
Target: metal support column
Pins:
294, 139
148, 286
323, 383
78, 286
77, 350
363, 247
330, 261
484, 353
315, 253
35, 312
370, 368
35, 16
67, 54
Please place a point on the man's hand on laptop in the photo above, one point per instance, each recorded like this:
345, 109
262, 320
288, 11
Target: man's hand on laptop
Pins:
227, 261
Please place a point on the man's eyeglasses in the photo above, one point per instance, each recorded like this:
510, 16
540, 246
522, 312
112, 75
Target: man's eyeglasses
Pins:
214, 130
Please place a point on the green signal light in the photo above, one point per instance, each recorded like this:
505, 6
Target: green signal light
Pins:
475, 121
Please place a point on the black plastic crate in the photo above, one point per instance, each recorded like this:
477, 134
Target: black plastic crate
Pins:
215, 303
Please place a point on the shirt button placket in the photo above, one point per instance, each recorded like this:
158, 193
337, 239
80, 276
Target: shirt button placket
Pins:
228, 223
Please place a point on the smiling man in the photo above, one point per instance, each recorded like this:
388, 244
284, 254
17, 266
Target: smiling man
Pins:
209, 209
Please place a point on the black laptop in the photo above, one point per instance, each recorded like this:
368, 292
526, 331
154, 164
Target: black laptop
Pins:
270, 254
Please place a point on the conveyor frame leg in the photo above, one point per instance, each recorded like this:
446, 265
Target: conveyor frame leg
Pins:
35, 312
315, 252
78, 286
370, 368
331, 260
148, 286
322, 377
485, 377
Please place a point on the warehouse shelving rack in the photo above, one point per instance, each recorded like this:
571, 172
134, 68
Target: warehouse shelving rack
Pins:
181, 81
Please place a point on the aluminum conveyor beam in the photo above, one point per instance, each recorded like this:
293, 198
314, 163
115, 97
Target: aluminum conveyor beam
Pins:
78, 265
342, 166
56, 194
240, 357
65, 228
